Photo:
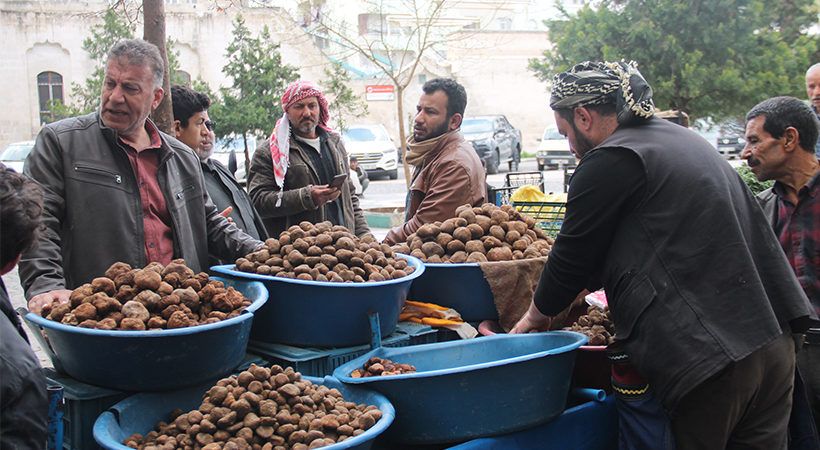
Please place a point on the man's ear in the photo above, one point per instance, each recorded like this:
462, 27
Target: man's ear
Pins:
158, 94
792, 139
455, 122
583, 118
177, 128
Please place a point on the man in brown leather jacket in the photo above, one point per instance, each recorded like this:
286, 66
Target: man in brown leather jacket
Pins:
447, 172
291, 173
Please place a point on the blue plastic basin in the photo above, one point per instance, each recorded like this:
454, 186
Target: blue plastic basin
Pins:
474, 388
458, 286
158, 359
141, 413
305, 313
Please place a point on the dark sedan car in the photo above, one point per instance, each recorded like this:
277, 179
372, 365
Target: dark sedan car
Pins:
495, 140
731, 146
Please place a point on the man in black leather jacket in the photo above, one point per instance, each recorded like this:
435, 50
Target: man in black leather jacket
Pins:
119, 190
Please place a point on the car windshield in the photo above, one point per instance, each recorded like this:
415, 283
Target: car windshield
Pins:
357, 134
16, 152
476, 126
552, 133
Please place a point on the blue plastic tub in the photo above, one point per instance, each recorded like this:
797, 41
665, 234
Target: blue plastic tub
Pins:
474, 388
141, 413
589, 426
458, 286
305, 313
155, 360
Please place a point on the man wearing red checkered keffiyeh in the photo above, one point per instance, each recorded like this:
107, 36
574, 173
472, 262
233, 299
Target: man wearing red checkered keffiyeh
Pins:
290, 174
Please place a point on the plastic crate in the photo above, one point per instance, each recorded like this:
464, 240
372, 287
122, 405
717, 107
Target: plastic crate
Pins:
501, 196
548, 216
83, 403
518, 179
317, 362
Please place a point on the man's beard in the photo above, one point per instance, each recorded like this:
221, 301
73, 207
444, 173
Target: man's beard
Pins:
308, 128
436, 133
584, 144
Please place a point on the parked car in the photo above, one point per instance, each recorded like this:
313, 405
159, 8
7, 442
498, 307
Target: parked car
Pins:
230, 151
495, 140
731, 146
373, 147
14, 155
553, 151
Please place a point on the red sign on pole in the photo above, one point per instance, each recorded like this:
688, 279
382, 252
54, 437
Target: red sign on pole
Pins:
380, 92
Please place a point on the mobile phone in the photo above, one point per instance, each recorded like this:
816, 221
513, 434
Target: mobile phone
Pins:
338, 181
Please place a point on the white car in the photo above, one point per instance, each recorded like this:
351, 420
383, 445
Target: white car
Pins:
222, 153
14, 155
373, 147
553, 151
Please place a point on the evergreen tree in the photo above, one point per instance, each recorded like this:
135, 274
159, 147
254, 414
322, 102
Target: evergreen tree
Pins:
252, 104
714, 58
343, 103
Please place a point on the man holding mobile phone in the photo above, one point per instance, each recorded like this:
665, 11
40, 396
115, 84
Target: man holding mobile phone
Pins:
291, 177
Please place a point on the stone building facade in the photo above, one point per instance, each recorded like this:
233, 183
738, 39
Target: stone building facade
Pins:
42, 56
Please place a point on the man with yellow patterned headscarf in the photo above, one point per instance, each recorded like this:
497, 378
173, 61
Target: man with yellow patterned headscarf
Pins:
703, 300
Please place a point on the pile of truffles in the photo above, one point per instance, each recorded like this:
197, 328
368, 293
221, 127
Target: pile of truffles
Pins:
153, 298
597, 324
488, 233
262, 409
324, 252
375, 367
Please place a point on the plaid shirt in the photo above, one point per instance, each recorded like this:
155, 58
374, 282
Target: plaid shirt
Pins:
798, 229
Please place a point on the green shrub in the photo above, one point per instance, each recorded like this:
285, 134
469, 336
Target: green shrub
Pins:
756, 186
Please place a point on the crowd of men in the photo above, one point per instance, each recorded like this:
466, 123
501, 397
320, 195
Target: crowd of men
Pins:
715, 292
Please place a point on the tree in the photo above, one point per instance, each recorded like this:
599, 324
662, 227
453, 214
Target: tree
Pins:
394, 39
343, 102
154, 32
713, 58
252, 105
86, 97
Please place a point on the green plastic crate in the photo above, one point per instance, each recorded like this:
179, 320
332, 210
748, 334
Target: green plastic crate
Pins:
548, 215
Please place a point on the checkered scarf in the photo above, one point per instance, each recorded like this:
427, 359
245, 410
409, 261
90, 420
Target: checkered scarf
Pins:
595, 83
280, 138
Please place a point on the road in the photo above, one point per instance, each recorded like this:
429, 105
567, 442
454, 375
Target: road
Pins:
384, 193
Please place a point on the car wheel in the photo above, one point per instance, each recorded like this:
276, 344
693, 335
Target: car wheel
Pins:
492, 163
393, 174
540, 167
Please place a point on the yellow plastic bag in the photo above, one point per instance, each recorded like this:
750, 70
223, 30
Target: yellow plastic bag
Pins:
437, 316
528, 193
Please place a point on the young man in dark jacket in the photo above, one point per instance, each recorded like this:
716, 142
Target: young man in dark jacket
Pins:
23, 389
119, 190
195, 129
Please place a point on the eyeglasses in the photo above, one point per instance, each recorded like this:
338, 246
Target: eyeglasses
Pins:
210, 124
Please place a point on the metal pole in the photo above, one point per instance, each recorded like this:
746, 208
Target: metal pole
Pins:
375, 330
55, 417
